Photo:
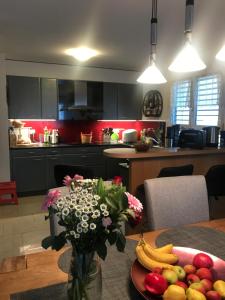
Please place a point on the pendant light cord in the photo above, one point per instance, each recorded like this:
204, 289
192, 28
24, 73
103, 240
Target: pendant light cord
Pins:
153, 30
189, 12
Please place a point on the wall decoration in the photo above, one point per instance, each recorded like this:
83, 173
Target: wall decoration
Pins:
152, 104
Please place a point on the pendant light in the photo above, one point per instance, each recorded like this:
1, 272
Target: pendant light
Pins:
221, 54
188, 59
152, 74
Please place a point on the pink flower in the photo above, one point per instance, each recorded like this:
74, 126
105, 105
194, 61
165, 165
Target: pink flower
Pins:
51, 198
67, 180
106, 222
78, 177
134, 203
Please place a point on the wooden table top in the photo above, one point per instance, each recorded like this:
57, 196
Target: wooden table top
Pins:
42, 269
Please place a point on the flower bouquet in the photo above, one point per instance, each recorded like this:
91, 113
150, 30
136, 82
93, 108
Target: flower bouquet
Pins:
92, 215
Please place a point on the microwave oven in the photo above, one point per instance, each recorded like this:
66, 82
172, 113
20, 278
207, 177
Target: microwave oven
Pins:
192, 138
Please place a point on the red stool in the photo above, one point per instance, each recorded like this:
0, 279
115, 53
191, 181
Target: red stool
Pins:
8, 192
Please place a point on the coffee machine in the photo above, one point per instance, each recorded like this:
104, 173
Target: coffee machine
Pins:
172, 136
212, 135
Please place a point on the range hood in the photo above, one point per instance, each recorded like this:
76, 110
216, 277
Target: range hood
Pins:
82, 101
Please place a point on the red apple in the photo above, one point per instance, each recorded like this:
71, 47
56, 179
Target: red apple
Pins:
198, 286
207, 284
213, 295
191, 278
157, 270
202, 260
181, 284
189, 269
155, 283
204, 273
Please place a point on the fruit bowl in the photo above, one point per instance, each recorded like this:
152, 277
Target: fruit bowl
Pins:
186, 255
141, 147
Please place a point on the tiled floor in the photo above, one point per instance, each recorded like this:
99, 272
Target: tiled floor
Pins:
22, 227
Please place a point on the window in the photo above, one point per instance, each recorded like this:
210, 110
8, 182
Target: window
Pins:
196, 101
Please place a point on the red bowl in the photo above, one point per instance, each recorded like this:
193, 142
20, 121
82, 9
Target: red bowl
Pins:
185, 255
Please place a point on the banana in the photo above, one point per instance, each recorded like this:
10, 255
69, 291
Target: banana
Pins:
168, 258
165, 249
147, 262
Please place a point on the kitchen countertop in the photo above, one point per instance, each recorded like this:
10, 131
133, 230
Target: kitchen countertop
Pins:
65, 145
131, 153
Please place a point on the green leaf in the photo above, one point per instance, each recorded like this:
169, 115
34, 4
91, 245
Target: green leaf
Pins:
102, 250
112, 238
120, 242
47, 242
123, 217
110, 203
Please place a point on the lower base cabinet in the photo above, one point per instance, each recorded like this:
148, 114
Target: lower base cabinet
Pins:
33, 169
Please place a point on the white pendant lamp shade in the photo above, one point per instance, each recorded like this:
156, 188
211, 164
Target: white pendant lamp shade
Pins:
187, 60
221, 54
151, 75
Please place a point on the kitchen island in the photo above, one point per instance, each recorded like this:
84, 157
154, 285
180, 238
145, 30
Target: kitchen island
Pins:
146, 165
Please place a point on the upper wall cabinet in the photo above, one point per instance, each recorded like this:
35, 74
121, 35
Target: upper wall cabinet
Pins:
31, 97
122, 101
24, 100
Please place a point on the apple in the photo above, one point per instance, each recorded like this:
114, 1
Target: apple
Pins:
155, 283
180, 272
204, 273
189, 269
207, 284
181, 284
191, 278
202, 260
213, 295
198, 286
170, 276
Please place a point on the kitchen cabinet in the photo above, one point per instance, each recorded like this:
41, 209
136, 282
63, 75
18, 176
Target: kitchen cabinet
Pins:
24, 100
49, 98
29, 170
53, 157
31, 97
122, 101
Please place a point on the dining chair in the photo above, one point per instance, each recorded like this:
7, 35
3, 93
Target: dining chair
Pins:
175, 201
215, 181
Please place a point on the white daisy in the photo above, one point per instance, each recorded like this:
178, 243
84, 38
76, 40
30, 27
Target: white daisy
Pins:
85, 218
95, 214
84, 224
65, 211
103, 206
92, 226
105, 213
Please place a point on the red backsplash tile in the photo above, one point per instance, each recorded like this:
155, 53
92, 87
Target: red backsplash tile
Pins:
69, 131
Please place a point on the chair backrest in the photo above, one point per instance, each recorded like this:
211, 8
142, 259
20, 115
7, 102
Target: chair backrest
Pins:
175, 201
176, 171
60, 171
215, 180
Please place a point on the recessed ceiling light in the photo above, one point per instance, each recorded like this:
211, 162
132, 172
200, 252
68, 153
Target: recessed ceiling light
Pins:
82, 53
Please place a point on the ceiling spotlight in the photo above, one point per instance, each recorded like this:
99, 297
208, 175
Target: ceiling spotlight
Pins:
221, 54
82, 53
188, 59
152, 74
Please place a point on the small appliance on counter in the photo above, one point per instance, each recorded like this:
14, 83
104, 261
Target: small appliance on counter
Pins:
129, 136
172, 136
212, 135
86, 138
54, 137
192, 138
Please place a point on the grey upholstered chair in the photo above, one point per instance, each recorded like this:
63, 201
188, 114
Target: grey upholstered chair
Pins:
175, 201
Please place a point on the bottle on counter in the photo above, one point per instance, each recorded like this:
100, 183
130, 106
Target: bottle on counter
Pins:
46, 135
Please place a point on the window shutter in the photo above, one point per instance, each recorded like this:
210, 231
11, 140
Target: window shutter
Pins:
208, 100
181, 96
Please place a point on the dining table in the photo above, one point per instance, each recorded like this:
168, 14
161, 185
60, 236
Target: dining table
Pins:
36, 271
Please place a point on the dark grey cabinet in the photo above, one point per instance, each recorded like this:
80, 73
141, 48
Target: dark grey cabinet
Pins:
49, 98
122, 101
23, 94
31, 97
29, 170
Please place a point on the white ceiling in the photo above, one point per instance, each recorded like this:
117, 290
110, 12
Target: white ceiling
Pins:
40, 30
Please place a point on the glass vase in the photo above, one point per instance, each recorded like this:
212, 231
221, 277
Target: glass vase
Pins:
85, 277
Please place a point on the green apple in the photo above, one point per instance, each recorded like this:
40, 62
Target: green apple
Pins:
180, 272
170, 276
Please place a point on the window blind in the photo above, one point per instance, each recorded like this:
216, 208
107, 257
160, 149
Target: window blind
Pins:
208, 100
181, 102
